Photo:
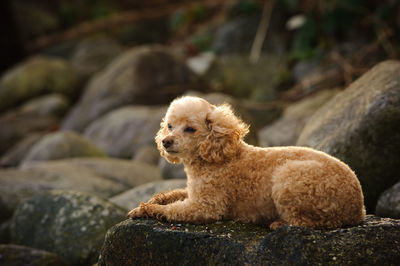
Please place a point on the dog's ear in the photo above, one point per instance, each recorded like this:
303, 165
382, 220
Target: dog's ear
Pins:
225, 132
159, 137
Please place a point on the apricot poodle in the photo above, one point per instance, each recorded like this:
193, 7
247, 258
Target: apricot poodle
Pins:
229, 179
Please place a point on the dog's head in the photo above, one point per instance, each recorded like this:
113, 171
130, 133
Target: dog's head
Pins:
194, 129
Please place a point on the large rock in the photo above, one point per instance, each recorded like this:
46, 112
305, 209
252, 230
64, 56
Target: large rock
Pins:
147, 154
389, 203
286, 130
144, 75
101, 176
22, 256
69, 224
15, 154
238, 77
37, 75
16, 125
93, 54
361, 126
52, 104
132, 198
60, 145
237, 35
136, 242
122, 132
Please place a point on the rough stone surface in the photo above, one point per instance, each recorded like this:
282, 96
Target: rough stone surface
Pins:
148, 242
15, 255
389, 203
36, 76
133, 197
52, 104
144, 75
104, 177
361, 126
122, 132
69, 224
286, 130
60, 145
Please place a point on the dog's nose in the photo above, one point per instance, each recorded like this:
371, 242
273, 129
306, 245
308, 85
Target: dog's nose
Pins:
167, 143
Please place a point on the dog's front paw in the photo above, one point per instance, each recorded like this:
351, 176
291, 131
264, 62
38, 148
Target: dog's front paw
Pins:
137, 212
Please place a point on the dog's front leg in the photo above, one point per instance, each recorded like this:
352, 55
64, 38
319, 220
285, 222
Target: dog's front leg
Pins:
181, 211
168, 197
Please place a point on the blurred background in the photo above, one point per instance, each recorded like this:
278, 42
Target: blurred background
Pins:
84, 85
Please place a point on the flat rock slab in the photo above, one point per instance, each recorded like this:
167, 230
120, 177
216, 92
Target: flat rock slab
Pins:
149, 242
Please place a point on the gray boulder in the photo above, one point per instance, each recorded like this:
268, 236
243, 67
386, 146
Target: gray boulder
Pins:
389, 203
144, 75
16, 125
133, 197
104, 177
238, 77
60, 145
286, 130
361, 126
52, 104
22, 256
14, 155
235, 36
36, 76
69, 224
122, 132
142, 241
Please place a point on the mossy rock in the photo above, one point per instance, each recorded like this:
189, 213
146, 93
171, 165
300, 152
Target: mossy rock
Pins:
148, 242
238, 77
21, 256
69, 224
61, 145
105, 177
361, 126
36, 76
141, 75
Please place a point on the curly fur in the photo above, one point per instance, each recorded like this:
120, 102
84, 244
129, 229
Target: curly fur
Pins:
229, 179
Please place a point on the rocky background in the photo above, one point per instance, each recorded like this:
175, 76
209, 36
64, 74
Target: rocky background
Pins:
84, 85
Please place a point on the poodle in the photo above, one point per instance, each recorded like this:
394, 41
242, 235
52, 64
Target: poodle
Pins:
228, 179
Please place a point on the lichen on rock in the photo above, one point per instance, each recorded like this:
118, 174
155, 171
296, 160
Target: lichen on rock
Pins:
149, 242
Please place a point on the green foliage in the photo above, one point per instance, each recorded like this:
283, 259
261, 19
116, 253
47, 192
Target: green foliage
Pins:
245, 8
182, 18
290, 5
202, 40
73, 12
332, 21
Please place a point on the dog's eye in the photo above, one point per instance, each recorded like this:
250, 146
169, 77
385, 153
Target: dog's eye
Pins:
169, 126
189, 130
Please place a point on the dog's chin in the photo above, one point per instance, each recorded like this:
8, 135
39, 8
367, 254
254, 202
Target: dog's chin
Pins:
172, 157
